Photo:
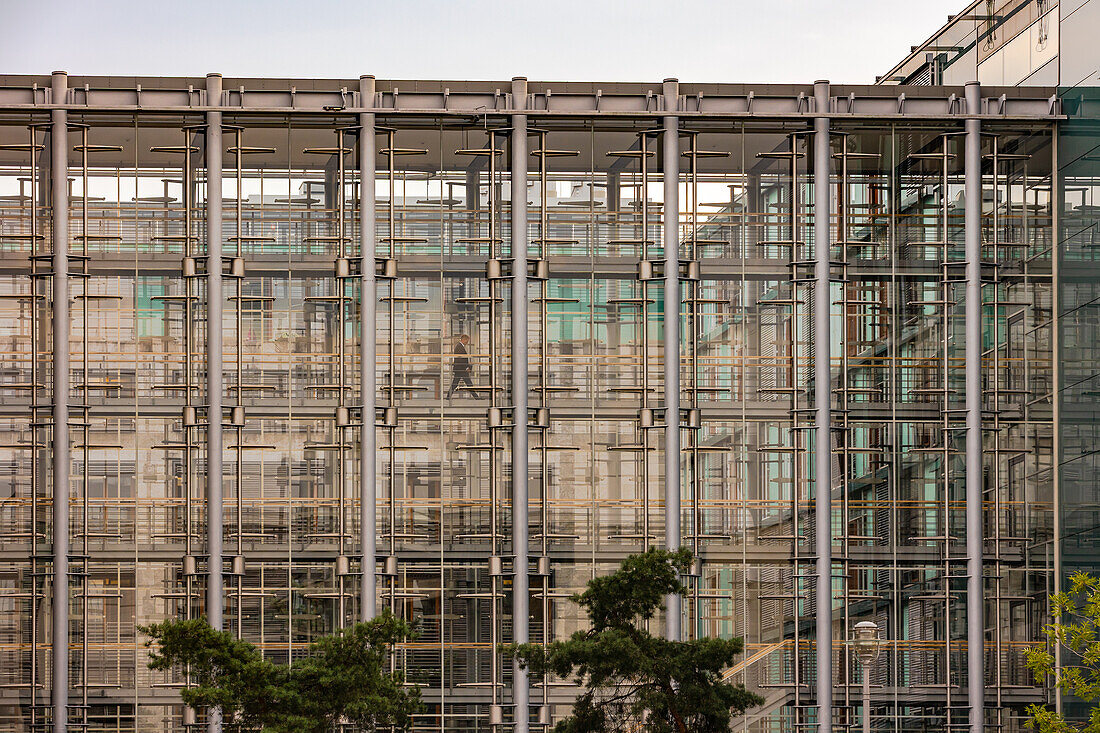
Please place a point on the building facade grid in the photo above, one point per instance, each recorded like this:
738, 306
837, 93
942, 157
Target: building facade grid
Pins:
265, 417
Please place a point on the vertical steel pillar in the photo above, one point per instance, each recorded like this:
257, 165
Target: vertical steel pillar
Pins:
1056, 386
368, 298
59, 183
214, 302
823, 456
521, 597
671, 172
975, 604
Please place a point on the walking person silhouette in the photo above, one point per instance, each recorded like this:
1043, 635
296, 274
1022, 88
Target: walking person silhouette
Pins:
462, 374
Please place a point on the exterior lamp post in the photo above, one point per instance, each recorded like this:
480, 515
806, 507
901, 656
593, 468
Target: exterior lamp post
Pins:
867, 645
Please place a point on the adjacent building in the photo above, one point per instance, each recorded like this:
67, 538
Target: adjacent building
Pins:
1009, 43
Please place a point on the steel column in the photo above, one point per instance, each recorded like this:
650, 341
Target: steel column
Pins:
214, 367
1056, 383
59, 183
823, 456
521, 598
368, 297
671, 173
975, 605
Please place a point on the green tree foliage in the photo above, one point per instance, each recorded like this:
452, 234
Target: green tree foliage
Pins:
1077, 631
634, 681
343, 677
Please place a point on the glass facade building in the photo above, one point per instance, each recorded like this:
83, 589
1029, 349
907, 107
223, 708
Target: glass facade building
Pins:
812, 333
1009, 43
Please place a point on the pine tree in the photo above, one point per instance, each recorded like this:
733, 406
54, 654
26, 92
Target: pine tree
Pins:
343, 677
633, 680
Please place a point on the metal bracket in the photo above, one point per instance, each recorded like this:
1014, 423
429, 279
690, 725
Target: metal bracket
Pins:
648, 417
655, 270
538, 418
385, 267
236, 416
498, 269
345, 415
496, 566
193, 267
385, 417
650, 269
347, 267
538, 269
496, 418
232, 266
689, 270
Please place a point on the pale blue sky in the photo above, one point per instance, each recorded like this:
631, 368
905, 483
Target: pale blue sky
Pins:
600, 40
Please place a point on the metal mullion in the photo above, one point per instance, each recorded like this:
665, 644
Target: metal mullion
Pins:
672, 297
893, 435
694, 487
85, 281
945, 430
368, 368
238, 427
290, 414
446, 246
1056, 202
341, 389
34, 422
845, 486
796, 428
189, 346
392, 428
643, 200
494, 610
996, 397
544, 468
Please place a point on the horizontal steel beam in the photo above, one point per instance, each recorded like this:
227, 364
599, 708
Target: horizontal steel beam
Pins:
175, 95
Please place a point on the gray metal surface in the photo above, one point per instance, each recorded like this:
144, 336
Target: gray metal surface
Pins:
521, 598
215, 591
975, 603
368, 306
671, 176
823, 454
23, 92
59, 184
